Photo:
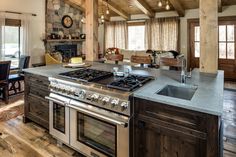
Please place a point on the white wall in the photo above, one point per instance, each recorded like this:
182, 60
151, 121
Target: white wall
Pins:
189, 14
37, 25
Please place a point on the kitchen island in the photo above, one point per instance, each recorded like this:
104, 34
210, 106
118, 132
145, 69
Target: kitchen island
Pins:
162, 125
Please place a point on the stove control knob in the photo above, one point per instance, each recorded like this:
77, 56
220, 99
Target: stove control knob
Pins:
70, 92
82, 94
105, 100
95, 97
114, 102
124, 106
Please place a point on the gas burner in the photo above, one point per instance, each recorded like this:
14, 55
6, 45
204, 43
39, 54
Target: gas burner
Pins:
87, 75
129, 83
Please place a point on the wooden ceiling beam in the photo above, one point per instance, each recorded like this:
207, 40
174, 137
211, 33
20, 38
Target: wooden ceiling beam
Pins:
77, 4
220, 6
116, 9
144, 7
178, 7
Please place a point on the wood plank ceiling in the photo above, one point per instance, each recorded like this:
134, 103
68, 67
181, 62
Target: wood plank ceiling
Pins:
125, 8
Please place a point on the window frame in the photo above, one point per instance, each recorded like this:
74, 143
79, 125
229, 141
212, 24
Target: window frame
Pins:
15, 23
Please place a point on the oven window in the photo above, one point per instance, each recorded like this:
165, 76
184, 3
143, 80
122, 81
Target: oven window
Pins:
59, 117
97, 134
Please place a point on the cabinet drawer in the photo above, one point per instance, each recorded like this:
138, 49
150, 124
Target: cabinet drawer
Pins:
171, 114
38, 107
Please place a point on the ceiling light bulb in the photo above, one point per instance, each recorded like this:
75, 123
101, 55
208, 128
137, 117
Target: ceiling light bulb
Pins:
102, 20
159, 4
107, 11
167, 6
102, 16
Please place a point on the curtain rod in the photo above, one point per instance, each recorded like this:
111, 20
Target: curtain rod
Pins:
13, 12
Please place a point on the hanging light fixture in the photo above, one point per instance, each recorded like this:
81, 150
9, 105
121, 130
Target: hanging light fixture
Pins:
159, 3
102, 16
167, 5
107, 11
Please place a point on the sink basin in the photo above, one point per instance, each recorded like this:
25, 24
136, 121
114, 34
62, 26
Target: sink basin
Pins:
181, 92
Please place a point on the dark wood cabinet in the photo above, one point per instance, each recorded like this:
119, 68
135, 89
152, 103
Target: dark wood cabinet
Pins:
165, 131
36, 107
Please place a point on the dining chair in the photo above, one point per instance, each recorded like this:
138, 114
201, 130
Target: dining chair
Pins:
170, 63
115, 58
4, 74
15, 79
141, 60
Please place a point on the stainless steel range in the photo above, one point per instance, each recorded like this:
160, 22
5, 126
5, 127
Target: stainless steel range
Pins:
90, 111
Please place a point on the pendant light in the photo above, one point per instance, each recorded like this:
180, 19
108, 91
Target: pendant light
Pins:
102, 16
107, 11
159, 3
167, 5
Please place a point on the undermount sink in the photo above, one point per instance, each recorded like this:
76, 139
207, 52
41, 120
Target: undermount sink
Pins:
182, 92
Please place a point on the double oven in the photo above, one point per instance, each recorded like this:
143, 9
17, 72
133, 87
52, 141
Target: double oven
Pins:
92, 131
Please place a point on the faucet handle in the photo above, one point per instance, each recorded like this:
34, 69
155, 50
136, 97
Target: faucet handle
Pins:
190, 73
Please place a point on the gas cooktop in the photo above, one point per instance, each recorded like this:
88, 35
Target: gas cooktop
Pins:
128, 83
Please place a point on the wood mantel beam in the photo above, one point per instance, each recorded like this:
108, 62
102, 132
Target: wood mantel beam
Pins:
220, 6
144, 7
116, 9
178, 7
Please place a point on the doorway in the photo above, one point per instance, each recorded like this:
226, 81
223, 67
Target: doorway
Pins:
226, 43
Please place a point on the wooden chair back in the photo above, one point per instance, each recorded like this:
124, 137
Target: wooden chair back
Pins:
115, 57
170, 62
4, 71
24, 62
141, 59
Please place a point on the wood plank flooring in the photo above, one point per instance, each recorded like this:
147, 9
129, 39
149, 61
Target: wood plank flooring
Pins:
29, 140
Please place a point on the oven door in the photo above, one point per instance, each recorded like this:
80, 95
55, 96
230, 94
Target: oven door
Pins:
98, 133
59, 117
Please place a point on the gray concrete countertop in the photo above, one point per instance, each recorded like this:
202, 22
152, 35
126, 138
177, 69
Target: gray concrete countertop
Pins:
208, 97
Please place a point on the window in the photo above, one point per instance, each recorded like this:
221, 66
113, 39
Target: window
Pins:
136, 35
11, 45
197, 41
226, 41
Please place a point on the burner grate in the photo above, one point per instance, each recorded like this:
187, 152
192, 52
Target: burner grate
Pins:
130, 83
87, 75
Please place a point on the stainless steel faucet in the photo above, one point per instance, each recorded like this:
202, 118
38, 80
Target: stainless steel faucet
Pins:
184, 74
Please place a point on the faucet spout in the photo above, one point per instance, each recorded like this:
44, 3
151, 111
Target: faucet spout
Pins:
183, 71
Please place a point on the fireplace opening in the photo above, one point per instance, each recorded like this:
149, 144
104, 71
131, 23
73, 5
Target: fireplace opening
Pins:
67, 51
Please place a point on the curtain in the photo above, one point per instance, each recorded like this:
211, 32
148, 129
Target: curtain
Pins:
116, 35
25, 35
162, 34
2, 36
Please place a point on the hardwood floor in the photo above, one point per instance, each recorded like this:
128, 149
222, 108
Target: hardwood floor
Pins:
29, 140
229, 118
230, 85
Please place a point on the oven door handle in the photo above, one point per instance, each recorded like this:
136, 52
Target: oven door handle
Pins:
99, 116
56, 100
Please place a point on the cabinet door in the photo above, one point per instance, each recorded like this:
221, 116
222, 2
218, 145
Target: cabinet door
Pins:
152, 140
